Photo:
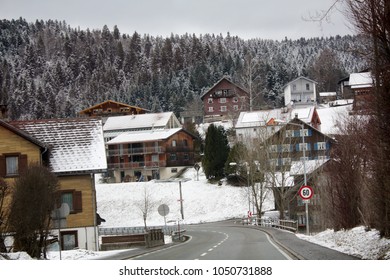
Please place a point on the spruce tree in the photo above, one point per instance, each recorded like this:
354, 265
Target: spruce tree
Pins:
216, 152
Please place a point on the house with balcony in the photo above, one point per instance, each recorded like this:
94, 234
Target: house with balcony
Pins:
301, 91
224, 100
74, 150
150, 154
116, 125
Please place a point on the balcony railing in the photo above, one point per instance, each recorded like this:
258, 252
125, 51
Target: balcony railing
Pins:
135, 151
137, 165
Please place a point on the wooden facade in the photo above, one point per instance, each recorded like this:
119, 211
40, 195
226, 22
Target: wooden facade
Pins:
76, 188
112, 108
159, 157
225, 99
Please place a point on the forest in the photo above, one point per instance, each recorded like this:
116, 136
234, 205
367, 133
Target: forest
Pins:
51, 70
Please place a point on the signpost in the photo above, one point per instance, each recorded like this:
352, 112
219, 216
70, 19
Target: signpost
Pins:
306, 192
163, 210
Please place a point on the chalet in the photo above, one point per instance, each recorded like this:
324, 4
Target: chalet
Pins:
111, 108
255, 124
150, 154
74, 150
296, 153
326, 97
301, 91
224, 99
115, 126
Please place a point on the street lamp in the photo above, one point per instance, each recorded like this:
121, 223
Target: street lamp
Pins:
302, 126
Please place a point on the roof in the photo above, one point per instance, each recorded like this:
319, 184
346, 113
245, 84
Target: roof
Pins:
223, 78
143, 121
144, 136
111, 101
360, 80
304, 113
300, 77
75, 145
22, 134
327, 94
257, 118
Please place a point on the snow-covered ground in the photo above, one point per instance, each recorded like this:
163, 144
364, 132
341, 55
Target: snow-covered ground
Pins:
204, 202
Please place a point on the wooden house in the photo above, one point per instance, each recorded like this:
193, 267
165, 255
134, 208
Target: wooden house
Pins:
224, 100
150, 154
111, 108
74, 150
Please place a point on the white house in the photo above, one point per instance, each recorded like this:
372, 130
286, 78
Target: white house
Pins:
300, 91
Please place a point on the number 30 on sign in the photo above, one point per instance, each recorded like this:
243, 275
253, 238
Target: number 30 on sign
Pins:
306, 192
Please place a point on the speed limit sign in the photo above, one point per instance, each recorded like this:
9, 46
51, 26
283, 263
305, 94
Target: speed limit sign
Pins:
305, 192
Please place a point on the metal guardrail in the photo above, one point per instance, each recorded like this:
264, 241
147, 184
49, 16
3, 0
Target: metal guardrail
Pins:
168, 230
271, 222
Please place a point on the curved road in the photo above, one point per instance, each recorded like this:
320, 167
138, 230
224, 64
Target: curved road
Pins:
220, 241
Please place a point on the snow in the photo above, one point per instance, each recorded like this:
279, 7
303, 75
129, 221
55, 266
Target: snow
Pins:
330, 115
205, 202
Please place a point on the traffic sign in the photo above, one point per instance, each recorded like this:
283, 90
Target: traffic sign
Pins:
306, 192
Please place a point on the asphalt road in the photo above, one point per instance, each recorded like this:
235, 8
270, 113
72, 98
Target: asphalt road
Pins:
220, 241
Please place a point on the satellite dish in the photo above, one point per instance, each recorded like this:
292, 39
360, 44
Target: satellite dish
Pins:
61, 212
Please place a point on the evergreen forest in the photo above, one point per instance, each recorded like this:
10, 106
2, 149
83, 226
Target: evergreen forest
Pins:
51, 70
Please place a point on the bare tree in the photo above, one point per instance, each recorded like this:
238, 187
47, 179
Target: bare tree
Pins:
146, 205
33, 199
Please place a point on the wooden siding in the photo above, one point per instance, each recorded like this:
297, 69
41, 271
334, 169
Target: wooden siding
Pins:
81, 183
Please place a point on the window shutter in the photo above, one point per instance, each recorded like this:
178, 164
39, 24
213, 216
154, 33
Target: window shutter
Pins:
22, 163
2, 166
77, 203
316, 146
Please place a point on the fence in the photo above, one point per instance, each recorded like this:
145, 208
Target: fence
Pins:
283, 224
167, 230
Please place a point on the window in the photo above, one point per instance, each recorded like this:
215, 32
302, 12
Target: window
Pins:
235, 99
73, 199
210, 101
289, 133
185, 143
211, 109
320, 146
235, 107
174, 170
294, 87
172, 157
69, 240
223, 108
307, 86
155, 158
302, 146
222, 100
12, 165
173, 143
186, 157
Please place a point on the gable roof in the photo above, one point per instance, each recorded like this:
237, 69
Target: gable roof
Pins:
226, 79
300, 77
360, 80
22, 134
144, 136
75, 145
143, 121
119, 104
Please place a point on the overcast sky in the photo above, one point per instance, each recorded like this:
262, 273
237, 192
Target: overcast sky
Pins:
265, 19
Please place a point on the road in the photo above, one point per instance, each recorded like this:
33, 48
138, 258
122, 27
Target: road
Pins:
220, 241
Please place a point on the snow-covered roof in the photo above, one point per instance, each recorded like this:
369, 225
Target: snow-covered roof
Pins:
299, 78
330, 115
144, 136
360, 80
305, 114
257, 118
324, 94
75, 145
298, 168
142, 121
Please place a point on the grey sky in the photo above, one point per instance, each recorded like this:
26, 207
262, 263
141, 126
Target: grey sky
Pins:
266, 19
